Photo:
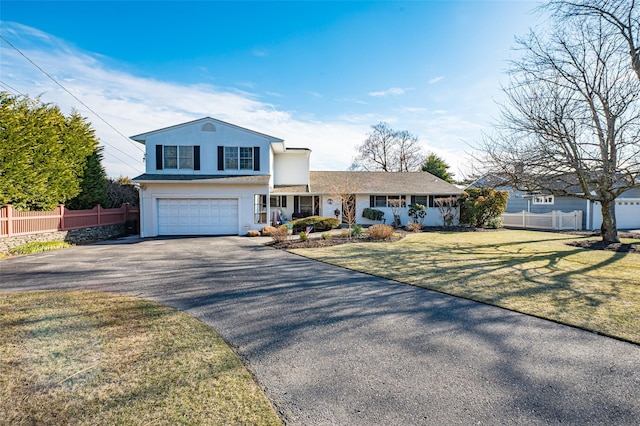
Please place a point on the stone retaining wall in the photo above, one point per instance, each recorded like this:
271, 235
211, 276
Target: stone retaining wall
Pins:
73, 236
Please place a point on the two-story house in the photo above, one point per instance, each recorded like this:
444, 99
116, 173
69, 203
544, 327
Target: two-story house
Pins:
208, 177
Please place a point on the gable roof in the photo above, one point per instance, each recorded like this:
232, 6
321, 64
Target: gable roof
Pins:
382, 183
141, 138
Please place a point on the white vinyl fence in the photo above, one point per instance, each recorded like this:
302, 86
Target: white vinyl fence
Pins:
555, 220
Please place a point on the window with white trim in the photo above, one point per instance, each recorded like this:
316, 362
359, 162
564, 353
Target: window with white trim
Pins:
260, 208
278, 201
238, 158
543, 199
389, 201
178, 157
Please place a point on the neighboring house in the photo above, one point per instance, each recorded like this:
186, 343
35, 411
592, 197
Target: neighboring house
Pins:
627, 204
208, 177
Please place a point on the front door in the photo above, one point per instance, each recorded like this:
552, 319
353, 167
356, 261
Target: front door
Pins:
349, 209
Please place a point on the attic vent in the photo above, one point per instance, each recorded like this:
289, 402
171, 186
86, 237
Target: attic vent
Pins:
208, 127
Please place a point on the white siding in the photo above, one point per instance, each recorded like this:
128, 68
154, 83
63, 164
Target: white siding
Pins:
291, 168
192, 134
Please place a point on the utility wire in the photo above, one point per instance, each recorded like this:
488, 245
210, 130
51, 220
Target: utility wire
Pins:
77, 99
11, 89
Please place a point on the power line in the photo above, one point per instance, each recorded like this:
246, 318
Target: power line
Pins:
11, 89
77, 99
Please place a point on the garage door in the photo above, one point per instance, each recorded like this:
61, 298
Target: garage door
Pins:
197, 216
627, 214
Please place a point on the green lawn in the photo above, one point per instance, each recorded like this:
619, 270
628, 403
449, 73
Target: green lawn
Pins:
89, 358
527, 271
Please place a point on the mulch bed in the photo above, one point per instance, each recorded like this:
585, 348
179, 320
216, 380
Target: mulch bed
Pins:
599, 245
400, 234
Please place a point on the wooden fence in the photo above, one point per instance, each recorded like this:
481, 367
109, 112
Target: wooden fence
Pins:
555, 220
14, 222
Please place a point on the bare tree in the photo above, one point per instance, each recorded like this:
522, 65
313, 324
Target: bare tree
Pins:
571, 124
448, 208
345, 193
389, 150
620, 20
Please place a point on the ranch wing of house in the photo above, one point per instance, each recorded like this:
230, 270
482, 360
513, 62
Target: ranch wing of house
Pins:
209, 177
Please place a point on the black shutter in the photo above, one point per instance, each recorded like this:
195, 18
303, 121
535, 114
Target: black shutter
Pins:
196, 157
221, 158
431, 201
158, 157
296, 204
413, 199
316, 205
256, 158
284, 201
372, 201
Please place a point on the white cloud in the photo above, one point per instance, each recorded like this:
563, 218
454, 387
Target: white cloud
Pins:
134, 104
436, 79
393, 91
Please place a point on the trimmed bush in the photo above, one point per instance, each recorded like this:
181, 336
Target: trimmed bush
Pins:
253, 233
303, 236
372, 214
326, 236
380, 232
319, 224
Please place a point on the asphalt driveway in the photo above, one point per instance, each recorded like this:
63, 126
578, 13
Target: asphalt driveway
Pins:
336, 347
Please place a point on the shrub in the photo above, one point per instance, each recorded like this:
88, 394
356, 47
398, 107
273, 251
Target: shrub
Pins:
372, 214
413, 227
319, 223
479, 205
326, 236
494, 223
380, 232
357, 231
417, 212
280, 234
253, 233
303, 236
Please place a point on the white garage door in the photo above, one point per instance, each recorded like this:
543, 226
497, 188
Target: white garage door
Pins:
197, 216
627, 214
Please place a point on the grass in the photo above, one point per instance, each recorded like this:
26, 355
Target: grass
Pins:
531, 272
86, 358
38, 247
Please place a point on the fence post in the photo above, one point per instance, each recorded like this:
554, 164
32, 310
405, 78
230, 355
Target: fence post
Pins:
554, 220
61, 221
524, 220
9, 215
99, 211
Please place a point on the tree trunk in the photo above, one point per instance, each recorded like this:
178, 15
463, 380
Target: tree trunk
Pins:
608, 230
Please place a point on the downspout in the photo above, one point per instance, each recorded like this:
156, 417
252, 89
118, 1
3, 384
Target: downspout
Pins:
589, 227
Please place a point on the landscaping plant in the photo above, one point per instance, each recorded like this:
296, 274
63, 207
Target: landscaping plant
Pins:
380, 232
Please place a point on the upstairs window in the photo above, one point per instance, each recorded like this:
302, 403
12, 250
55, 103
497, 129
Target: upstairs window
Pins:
184, 157
238, 158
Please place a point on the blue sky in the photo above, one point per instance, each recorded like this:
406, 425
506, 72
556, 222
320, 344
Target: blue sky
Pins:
317, 74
